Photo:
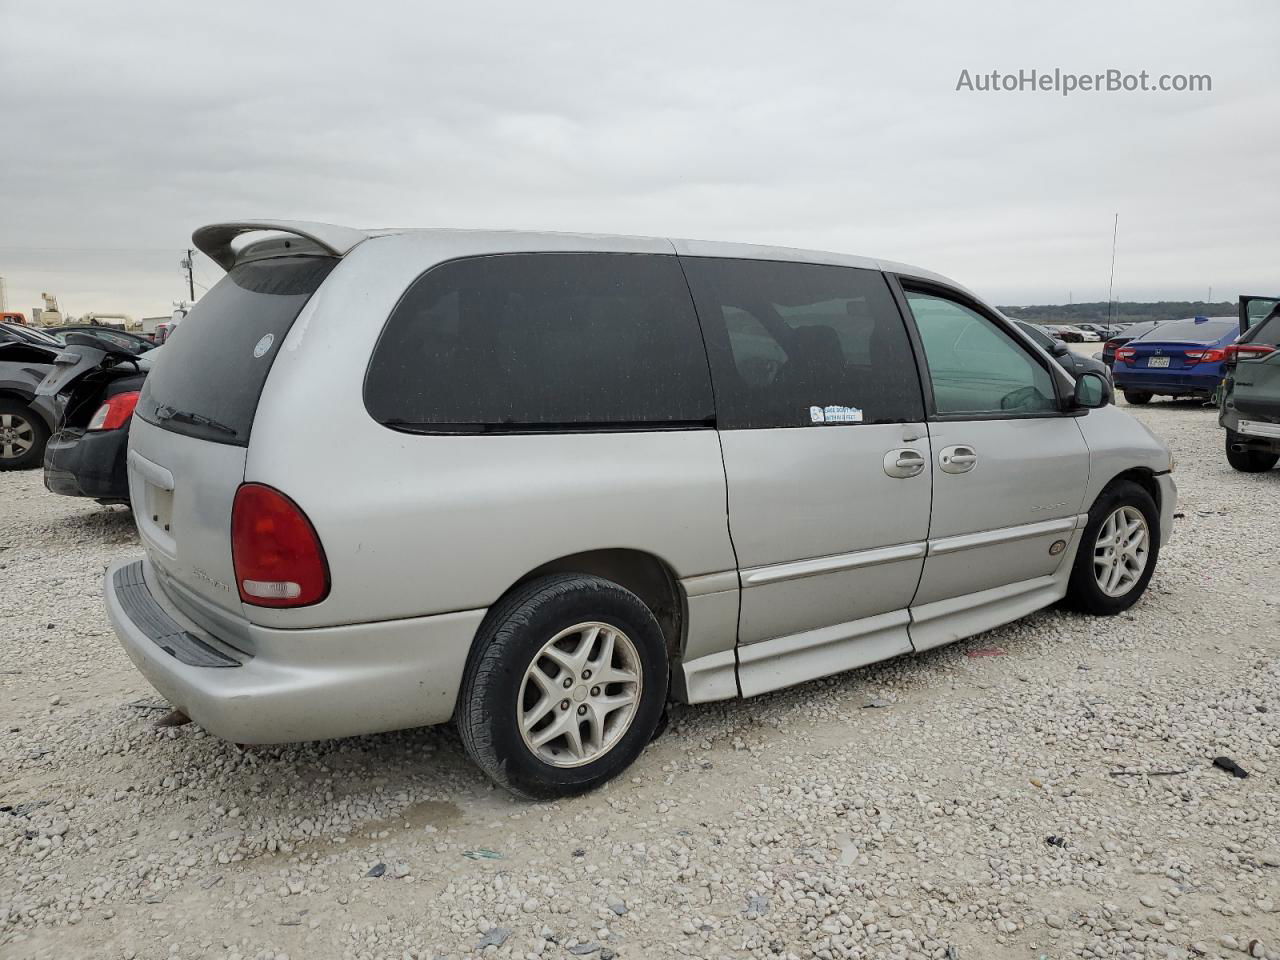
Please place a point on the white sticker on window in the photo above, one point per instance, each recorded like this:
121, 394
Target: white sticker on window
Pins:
836, 414
264, 345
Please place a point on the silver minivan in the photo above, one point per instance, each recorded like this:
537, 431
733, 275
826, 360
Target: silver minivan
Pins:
539, 484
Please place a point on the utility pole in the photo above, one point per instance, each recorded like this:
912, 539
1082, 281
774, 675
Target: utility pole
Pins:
1210, 293
1115, 230
189, 266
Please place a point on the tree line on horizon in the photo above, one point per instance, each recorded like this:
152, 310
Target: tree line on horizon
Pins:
1122, 311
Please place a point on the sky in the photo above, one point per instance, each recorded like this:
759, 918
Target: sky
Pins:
834, 126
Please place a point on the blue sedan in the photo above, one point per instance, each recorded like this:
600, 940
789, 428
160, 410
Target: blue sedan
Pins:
1181, 358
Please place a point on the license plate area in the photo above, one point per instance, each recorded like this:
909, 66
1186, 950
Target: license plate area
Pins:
1158, 362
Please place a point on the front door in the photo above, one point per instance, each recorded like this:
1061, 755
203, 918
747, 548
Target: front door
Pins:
827, 460
1010, 472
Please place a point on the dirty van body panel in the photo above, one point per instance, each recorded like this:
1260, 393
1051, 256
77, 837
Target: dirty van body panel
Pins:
461, 518
182, 490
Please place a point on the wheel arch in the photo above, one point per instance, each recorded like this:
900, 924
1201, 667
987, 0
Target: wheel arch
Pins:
1143, 477
646, 575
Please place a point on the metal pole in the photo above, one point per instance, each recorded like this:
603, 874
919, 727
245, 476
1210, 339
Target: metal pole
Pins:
191, 274
1115, 229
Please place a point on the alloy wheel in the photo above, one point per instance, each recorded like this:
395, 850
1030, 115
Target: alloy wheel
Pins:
16, 436
1121, 551
580, 694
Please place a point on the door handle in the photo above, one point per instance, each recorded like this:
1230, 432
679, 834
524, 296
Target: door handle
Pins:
958, 458
904, 463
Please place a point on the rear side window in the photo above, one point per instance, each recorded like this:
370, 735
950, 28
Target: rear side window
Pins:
543, 342
1267, 332
217, 359
803, 345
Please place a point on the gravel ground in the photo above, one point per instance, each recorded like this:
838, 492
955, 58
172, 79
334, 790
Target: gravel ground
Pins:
900, 811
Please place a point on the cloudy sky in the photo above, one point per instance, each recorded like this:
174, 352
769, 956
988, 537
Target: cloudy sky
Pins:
827, 125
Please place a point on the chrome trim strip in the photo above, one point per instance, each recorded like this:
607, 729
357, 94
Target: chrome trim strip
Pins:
987, 538
795, 570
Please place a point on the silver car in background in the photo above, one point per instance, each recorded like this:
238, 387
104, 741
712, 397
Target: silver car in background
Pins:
540, 483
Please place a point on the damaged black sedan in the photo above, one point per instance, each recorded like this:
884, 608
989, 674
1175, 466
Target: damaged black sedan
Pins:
98, 388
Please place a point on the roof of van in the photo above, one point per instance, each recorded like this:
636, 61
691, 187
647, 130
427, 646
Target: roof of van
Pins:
217, 241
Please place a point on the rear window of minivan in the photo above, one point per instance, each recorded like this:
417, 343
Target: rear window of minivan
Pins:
543, 342
217, 359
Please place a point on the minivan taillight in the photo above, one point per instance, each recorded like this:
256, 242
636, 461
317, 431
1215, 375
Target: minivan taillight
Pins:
115, 413
278, 559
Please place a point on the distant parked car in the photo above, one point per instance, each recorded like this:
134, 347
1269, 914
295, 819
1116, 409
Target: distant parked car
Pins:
1085, 335
1060, 331
1124, 335
1249, 402
26, 420
1098, 330
1181, 358
1071, 361
121, 339
97, 390
20, 333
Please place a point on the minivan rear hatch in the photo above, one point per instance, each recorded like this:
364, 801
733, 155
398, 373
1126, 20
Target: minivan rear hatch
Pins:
190, 436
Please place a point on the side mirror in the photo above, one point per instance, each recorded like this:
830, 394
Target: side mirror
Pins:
1060, 349
1091, 391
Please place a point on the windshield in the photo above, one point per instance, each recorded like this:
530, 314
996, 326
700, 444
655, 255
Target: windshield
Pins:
217, 360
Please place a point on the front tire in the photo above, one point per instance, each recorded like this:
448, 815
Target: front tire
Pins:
1249, 461
1118, 551
23, 436
565, 686
1137, 397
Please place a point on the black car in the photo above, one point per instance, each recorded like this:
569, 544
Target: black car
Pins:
26, 420
1074, 363
120, 339
97, 389
1131, 332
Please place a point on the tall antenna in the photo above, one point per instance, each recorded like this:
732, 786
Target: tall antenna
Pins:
1115, 229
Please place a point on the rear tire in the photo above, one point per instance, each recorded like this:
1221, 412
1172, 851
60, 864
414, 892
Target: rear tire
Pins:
23, 436
1112, 568
535, 653
1137, 397
1249, 461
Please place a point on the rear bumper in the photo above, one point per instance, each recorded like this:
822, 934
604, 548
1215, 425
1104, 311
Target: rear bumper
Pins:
88, 464
312, 684
1165, 384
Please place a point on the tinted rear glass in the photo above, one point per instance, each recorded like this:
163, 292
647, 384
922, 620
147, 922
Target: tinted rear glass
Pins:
217, 359
1266, 332
543, 342
1190, 330
803, 344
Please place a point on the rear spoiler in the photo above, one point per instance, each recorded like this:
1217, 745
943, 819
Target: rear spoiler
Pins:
215, 240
